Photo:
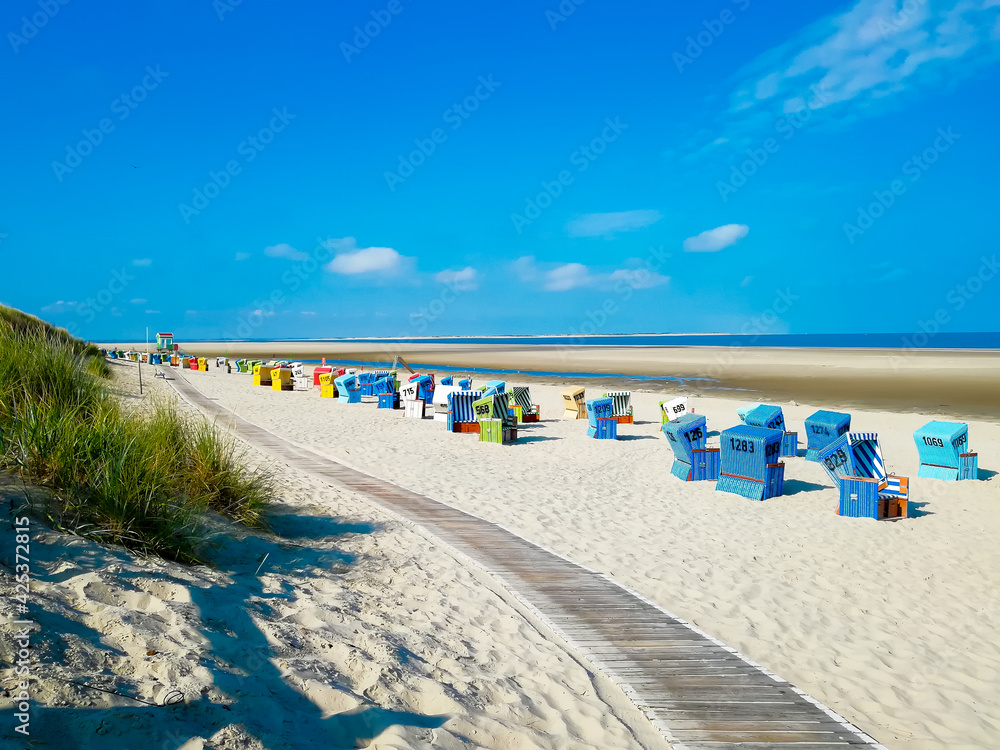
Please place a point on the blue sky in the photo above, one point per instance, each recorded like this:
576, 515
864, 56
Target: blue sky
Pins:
400, 168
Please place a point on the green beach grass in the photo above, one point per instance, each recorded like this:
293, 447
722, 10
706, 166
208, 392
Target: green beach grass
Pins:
145, 481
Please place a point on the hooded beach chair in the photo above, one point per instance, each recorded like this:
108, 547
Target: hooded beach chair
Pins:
300, 381
448, 380
465, 384
442, 401
621, 409
496, 422
327, 388
494, 386
944, 452
672, 409
281, 379
461, 414
771, 417
749, 462
321, 370
854, 463
823, 428
574, 403
262, 375
600, 422
385, 390
520, 402
693, 460
348, 390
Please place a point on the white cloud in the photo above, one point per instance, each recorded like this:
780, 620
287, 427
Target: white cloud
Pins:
142, 262
607, 225
716, 239
526, 269
152, 312
139, 301
58, 307
567, 276
351, 260
463, 280
876, 50
308, 312
242, 256
282, 250
637, 278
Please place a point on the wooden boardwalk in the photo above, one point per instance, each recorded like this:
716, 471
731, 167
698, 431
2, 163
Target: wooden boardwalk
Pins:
699, 693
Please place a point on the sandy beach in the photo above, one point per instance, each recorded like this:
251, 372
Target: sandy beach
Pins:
891, 624
935, 381
343, 625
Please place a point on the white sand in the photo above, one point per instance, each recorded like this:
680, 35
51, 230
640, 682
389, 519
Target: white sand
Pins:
892, 624
357, 626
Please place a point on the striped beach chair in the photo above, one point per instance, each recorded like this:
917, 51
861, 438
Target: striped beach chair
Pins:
621, 410
496, 420
520, 402
855, 464
749, 462
944, 452
461, 414
672, 409
693, 460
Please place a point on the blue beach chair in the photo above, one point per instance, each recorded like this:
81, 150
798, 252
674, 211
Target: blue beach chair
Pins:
600, 419
855, 464
944, 452
693, 461
823, 428
750, 465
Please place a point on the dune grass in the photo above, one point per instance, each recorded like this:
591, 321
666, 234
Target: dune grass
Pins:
144, 481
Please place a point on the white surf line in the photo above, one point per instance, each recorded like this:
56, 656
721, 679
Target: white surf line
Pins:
636, 695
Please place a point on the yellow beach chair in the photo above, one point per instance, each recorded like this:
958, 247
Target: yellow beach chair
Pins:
574, 403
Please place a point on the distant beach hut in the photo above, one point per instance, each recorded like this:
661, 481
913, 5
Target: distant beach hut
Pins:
823, 428
601, 424
944, 452
448, 380
855, 464
750, 465
621, 409
164, 342
574, 403
771, 417
348, 390
693, 460
674, 408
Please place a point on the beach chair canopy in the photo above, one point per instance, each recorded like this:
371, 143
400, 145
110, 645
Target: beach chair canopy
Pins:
521, 396
823, 428
448, 380
346, 382
744, 410
621, 403
764, 415
460, 405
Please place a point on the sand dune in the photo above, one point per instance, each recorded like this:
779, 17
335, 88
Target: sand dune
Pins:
893, 625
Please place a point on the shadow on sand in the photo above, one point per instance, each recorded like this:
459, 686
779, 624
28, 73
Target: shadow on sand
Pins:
238, 654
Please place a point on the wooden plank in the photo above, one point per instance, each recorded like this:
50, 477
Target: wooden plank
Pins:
705, 695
